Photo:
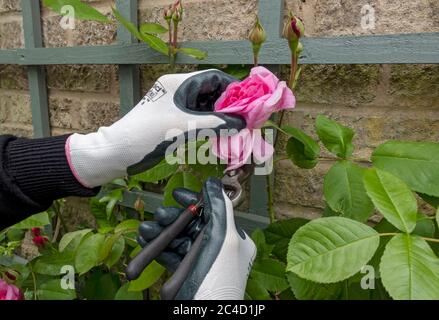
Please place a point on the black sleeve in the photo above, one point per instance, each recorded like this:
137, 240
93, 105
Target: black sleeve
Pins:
34, 173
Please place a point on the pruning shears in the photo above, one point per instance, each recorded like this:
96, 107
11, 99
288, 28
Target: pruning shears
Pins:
233, 182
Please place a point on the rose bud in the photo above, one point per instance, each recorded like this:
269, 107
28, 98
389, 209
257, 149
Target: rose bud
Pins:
139, 205
40, 241
36, 231
294, 29
11, 275
257, 36
167, 14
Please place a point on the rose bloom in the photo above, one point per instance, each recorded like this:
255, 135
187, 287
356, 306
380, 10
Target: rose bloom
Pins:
255, 99
9, 291
40, 241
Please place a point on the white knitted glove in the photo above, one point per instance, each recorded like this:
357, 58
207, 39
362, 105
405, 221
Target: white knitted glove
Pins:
177, 106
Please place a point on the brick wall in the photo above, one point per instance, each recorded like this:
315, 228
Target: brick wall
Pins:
379, 101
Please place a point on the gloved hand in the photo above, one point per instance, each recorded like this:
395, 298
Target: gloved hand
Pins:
226, 253
172, 110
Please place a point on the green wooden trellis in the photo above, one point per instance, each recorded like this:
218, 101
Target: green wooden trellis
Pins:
128, 54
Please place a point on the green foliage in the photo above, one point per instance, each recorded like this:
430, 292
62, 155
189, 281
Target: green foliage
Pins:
392, 198
416, 163
160, 172
301, 148
149, 276
36, 221
345, 193
194, 53
82, 11
124, 294
86, 255
336, 137
329, 250
410, 269
52, 290
152, 28
308, 290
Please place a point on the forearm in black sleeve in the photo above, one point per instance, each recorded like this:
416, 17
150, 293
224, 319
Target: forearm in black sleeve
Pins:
34, 173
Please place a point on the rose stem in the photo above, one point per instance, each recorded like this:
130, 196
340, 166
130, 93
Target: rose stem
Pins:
294, 62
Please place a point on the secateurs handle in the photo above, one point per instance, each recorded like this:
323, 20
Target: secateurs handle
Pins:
158, 245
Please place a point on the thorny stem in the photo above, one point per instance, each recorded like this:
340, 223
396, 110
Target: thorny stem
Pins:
255, 60
271, 212
34, 280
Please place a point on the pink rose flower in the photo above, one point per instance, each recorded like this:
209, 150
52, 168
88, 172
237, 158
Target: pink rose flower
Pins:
9, 291
255, 99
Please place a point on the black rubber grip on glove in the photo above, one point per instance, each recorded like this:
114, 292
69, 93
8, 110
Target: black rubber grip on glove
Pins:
159, 244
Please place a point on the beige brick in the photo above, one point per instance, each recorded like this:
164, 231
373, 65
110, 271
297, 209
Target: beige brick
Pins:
343, 17
10, 5
98, 113
65, 112
208, 20
17, 106
301, 187
18, 130
150, 73
350, 85
94, 33
11, 35
13, 77
53, 34
413, 86
95, 78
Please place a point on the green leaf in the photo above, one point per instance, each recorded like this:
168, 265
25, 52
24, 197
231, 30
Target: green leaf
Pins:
88, 253
194, 53
51, 264
256, 291
424, 226
437, 217
107, 246
116, 252
149, 276
345, 193
124, 294
392, 198
301, 148
180, 180
82, 11
160, 172
279, 234
51, 290
130, 225
263, 249
112, 199
270, 274
36, 221
308, 290
416, 163
100, 286
155, 43
329, 250
69, 237
336, 138
410, 269
152, 28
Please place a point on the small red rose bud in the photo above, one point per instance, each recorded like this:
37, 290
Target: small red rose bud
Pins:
178, 11
40, 241
10, 275
36, 231
257, 36
294, 29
